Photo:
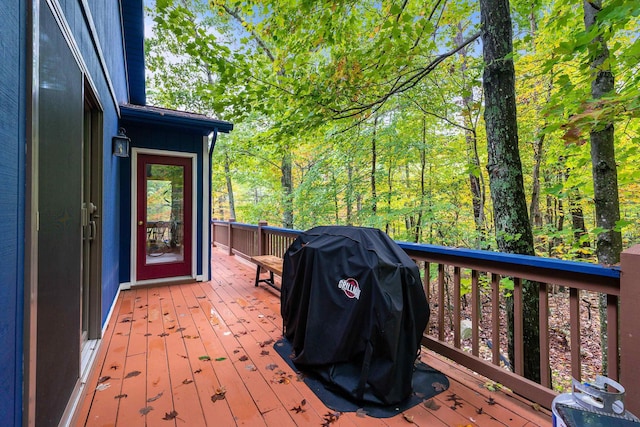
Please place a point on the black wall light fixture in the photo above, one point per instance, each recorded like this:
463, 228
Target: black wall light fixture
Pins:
121, 144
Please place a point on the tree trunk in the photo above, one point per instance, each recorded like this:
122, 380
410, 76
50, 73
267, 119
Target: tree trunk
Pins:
227, 176
603, 164
577, 220
349, 192
476, 185
389, 189
534, 210
287, 190
374, 156
513, 229
423, 170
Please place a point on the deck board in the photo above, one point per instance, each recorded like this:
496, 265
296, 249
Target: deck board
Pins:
164, 333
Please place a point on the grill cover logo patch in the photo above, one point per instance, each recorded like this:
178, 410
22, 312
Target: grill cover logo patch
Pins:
350, 288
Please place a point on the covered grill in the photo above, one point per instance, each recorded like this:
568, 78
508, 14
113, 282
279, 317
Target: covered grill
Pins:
354, 311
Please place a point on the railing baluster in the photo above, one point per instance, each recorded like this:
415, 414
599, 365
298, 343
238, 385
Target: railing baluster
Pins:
475, 316
495, 318
441, 302
543, 318
456, 307
574, 324
427, 289
518, 327
612, 337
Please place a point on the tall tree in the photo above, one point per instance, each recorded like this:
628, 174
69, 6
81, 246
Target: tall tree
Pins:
513, 230
603, 160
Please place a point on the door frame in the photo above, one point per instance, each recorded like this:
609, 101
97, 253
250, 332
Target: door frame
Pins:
134, 214
94, 108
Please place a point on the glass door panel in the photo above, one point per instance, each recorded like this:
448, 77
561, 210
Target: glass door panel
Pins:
164, 216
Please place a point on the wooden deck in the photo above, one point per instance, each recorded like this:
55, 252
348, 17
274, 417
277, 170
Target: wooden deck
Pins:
202, 354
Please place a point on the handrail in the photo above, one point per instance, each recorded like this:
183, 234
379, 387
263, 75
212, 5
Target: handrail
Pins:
455, 265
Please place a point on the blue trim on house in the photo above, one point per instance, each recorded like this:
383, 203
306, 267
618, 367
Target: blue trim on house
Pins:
133, 22
194, 123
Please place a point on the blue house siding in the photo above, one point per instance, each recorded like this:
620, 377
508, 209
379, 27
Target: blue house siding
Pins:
94, 33
98, 35
12, 177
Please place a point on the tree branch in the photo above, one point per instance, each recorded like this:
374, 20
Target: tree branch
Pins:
399, 87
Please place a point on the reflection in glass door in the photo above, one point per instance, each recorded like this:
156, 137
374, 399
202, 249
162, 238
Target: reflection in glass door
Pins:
164, 217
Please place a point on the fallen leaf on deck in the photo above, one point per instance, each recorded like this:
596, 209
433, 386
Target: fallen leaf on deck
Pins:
183, 356
535, 406
219, 395
439, 387
154, 398
431, 404
103, 379
197, 371
171, 327
479, 411
146, 410
408, 418
164, 334
330, 418
265, 343
491, 401
251, 368
126, 320
220, 359
492, 386
103, 386
271, 366
187, 381
236, 351
120, 396
180, 329
115, 367
457, 401
132, 374
147, 335
361, 413
205, 358
201, 297
299, 408
243, 358
264, 353
168, 416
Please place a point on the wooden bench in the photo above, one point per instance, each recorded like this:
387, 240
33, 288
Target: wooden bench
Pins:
271, 264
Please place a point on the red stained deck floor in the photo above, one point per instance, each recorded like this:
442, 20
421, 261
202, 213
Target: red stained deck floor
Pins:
202, 354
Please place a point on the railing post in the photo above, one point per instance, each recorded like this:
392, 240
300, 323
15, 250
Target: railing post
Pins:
212, 224
630, 327
261, 240
231, 221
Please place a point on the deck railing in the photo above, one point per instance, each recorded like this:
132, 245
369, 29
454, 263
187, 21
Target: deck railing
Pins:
453, 276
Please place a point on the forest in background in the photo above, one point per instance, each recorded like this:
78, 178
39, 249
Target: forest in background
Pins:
372, 113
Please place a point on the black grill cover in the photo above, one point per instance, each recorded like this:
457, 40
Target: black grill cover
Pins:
354, 310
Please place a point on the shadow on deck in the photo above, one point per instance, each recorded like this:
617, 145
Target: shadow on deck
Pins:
201, 354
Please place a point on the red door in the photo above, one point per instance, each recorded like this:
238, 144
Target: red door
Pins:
164, 221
